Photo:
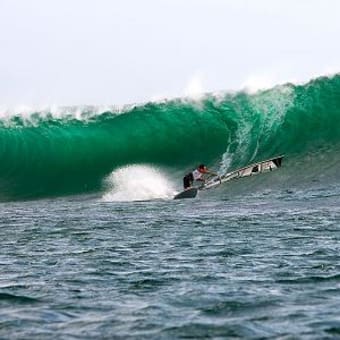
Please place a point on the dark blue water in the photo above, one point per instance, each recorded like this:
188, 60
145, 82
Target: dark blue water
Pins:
262, 266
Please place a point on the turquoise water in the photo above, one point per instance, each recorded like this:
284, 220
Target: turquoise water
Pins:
73, 150
93, 246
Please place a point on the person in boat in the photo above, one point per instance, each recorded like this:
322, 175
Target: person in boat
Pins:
196, 175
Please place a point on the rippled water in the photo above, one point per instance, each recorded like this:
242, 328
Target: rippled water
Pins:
260, 267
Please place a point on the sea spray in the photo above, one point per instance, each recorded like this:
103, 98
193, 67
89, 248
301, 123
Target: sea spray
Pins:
73, 150
136, 183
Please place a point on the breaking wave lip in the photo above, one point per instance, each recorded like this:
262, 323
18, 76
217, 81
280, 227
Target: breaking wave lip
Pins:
74, 150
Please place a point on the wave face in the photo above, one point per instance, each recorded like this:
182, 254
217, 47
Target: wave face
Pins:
47, 155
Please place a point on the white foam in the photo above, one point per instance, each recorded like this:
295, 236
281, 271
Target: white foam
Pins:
271, 108
136, 183
81, 112
194, 88
254, 84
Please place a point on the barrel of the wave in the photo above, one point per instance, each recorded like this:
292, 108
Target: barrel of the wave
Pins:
46, 156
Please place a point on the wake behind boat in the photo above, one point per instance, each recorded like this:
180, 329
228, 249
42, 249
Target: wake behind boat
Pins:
250, 170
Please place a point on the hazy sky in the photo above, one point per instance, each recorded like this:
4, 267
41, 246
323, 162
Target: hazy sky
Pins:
118, 52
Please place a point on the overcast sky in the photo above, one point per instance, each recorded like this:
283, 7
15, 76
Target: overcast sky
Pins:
68, 52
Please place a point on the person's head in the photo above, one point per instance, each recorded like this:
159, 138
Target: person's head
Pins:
202, 168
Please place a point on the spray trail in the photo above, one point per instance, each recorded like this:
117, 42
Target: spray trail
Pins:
137, 182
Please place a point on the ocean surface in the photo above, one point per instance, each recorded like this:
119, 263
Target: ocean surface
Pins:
94, 247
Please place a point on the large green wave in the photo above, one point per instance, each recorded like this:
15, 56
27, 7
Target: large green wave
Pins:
45, 155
